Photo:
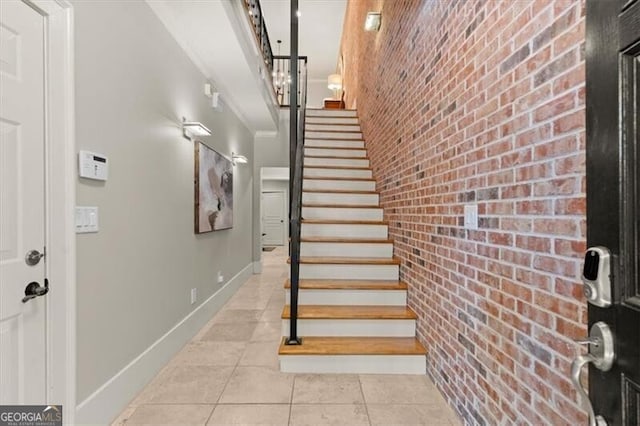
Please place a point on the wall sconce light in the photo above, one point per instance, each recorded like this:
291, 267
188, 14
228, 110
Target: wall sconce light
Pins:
237, 158
335, 84
372, 23
194, 128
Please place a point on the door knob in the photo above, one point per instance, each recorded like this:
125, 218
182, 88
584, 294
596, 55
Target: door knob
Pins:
601, 355
34, 289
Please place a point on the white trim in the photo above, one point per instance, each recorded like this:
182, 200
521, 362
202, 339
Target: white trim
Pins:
102, 406
60, 199
257, 267
353, 327
354, 364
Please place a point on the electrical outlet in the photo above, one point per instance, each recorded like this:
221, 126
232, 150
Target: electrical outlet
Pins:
194, 295
471, 216
220, 277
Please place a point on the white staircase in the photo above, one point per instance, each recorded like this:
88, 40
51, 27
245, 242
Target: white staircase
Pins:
352, 308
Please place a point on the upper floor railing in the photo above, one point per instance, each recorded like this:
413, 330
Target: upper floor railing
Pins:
279, 67
282, 79
254, 11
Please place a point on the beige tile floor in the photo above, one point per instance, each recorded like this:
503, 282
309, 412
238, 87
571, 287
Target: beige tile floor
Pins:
228, 375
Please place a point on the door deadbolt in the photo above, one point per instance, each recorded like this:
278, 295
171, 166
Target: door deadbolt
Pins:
33, 257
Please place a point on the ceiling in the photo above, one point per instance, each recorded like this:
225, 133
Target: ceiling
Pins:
217, 36
320, 31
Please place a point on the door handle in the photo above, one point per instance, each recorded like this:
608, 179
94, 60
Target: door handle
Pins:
34, 289
601, 355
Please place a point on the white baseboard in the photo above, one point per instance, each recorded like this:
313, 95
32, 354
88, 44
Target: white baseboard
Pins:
257, 267
112, 397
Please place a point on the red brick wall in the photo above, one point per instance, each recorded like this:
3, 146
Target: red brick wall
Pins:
482, 102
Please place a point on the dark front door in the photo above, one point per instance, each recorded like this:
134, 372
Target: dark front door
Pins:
613, 197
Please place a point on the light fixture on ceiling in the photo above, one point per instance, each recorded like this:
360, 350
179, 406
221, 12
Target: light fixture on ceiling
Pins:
194, 128
372, 23
237, 158
335, 84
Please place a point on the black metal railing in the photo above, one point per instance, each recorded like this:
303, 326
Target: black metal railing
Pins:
254, 11
296, 154
281, 77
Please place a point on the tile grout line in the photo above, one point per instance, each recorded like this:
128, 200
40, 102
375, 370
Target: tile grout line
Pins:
366, 405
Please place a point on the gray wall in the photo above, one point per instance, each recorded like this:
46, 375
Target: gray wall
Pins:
317, 91
270, 151
133, 85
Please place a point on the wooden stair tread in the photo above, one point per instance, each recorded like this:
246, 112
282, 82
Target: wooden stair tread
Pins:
318, 345
335, 147
336, 156
345, 222
335, 131
339, 178
334, 139
324, 260
347, 285
355, 312
337, 168
343, 206
346, 240
340, 191
315, 123
330, 109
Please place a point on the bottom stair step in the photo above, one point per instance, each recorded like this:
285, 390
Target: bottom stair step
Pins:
357, 355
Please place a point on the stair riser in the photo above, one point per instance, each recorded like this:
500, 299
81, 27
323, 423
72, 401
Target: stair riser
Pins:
339, 198
331, 113
343, 185
333, 135
344, 230
349, 272
350, 297
334, 143
379, 250
331, 120
310, 172
331, 213
354, 364
319, 152
352, 327
342, 162
332, 127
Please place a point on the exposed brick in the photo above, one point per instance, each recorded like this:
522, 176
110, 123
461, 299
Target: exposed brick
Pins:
555, 68
513, 60
482, 102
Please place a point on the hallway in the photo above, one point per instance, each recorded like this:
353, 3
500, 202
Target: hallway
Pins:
228, 374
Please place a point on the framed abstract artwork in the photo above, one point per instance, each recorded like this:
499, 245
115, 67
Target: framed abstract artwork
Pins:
213, 190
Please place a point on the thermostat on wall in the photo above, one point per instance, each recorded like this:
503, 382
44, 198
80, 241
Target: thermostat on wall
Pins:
92, 165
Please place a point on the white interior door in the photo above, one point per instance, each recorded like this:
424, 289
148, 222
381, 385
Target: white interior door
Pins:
22, 203
273, 218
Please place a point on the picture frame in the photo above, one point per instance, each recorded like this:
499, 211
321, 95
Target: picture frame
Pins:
213, 185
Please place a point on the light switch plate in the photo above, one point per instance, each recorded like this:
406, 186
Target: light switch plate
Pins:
87, 220
471, 216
